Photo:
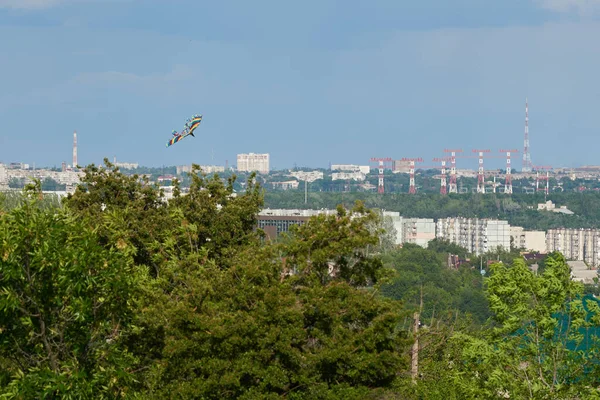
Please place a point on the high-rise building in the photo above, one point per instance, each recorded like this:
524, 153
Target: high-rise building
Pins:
253, 162
575, 244
476, 235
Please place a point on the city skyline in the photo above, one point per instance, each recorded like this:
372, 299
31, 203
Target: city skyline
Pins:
310, 84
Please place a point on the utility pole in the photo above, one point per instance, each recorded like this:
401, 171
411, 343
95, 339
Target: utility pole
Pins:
305, 190
414, 357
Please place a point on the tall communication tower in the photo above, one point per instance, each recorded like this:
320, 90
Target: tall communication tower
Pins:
527, 166
74, 149
381, 167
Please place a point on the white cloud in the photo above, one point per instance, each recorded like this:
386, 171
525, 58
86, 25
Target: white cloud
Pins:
581, 7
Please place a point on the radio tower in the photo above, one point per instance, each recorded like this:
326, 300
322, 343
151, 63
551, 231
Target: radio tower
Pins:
74, 149
526, 156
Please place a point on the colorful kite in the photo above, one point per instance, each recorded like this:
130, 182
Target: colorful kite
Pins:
189, 128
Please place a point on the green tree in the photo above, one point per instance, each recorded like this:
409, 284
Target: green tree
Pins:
138, 210
66, 305
243, 327
544, 340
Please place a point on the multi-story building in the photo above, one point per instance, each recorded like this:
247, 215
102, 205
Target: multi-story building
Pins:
575, 244
308, 176
418, 231
277, 221
476, 235
528, 240
285, 185
365, 169
253, 162
207, 169
406, 230
124, 165
400, 166
356, 176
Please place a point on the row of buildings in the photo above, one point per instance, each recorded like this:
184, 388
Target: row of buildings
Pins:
477, 235
22, 172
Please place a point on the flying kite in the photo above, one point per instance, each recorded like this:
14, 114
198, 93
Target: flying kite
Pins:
189, 128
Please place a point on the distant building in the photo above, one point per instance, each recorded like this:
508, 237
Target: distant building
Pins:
207, 169
277, 221
346, 176
419, 231
123, 165
253, 162
309, 176
580, 272
528, 240
165, 178
575, 244
476, 235
400, 167
550, 206
285, 185
365, 169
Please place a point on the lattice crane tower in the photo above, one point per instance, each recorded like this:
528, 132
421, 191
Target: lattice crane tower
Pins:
381, 166
527, 166
452, 187
480, 171
508, 182
412, 187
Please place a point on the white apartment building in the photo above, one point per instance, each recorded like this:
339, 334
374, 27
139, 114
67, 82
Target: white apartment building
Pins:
575, 244
309, 176
207, 169
476, 235
356, 176
365, 169
411, 230
253, 162
528, 240
285, 185
418, 231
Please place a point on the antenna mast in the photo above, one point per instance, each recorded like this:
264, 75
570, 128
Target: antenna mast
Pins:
526, 156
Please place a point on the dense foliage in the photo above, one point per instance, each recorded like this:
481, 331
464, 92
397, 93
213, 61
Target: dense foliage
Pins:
121, 294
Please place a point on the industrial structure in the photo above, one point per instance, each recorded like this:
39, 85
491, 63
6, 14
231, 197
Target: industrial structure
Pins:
381, 164
527, 165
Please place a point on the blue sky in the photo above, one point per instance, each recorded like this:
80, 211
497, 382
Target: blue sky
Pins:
309, 82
